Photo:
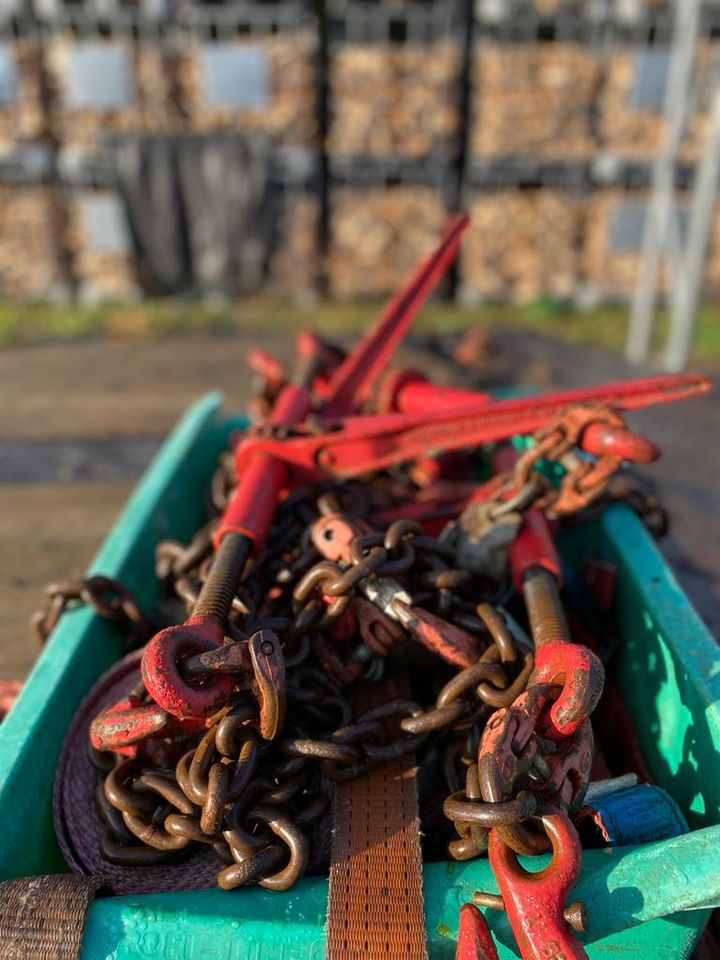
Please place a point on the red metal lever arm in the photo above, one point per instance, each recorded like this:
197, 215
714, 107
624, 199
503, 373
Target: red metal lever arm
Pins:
252, 507
353, 379
409, 391
361, 444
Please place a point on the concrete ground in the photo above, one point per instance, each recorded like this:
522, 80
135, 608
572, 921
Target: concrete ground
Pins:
82, 420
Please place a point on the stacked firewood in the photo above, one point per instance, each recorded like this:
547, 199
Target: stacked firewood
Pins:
521, 245
23, 118
395, 100
711, 278
295, 260
634, 131
377, 234
29, 262
610, 259
533, 99
150, 103
290, 114
99, 274
611, 266
705, 74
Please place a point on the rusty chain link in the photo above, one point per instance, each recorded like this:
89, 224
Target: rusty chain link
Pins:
252, 782
109, 598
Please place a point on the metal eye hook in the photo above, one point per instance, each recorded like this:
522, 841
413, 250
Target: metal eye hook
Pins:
535, 902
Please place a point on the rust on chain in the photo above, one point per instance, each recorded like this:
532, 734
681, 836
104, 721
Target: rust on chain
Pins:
249, 776
108, 597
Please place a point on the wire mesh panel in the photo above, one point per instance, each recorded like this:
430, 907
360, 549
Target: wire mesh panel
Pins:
613, 242
251, 67
632, 98
103, 85
630, 13
496, 11
395, 79
21, 105
378, 231
522, 244
534, 85
98, 235
294, 263
79, 14
534, 100
95, 234
711, 273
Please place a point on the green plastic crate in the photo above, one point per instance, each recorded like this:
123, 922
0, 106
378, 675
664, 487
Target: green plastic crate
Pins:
668, 671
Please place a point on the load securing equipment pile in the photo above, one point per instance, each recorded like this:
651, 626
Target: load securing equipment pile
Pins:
372, 655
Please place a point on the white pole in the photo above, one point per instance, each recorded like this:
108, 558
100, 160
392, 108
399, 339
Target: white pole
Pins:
686, 296
660, 208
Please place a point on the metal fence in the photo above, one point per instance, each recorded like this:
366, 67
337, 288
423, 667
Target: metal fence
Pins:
538, 115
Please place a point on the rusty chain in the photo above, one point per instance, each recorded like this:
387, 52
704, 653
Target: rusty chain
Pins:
252, 782
109, 598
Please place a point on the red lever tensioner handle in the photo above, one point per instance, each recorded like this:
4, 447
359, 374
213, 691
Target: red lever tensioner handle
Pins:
353, 380
357, 445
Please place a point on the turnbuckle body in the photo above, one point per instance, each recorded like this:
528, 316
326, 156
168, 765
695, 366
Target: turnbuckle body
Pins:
536, 571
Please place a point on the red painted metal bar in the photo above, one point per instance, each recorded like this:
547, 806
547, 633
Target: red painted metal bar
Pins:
361, 444
353, 380
409, 391
251, 510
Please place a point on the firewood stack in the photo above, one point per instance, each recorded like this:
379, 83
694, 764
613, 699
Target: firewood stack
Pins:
521, 244
711, 279
629, 131
295, 262
634, 131
611, 255
149, 107
377, 234
100, 274
23, 119
29, 264
392, 100
289, 116
533, 100
706, 72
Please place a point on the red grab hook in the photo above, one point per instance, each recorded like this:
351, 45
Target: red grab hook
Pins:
535, 902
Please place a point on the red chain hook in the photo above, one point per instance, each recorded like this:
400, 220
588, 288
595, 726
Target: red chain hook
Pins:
535, 902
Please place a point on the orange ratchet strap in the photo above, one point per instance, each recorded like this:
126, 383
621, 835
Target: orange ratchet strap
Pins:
375, 899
